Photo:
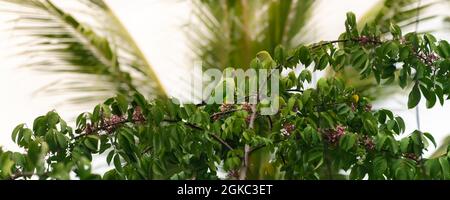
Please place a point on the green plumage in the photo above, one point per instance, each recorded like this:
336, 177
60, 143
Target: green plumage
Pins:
266, 60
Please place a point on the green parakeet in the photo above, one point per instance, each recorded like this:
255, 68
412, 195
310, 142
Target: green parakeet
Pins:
266, 60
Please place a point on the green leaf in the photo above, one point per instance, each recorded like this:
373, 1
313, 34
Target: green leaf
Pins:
122, 102
343, 109
91, 142
393, 144
395, 30
15, 132
400, 123
351, 19
404, 53
299, 104
415, 136
379, 165
445, 167
414, 97
404, 143
95, 114
379, 142
433, 167
431, 138
40, 126
25, 139
304, 55
430, 39
62, 140
350, 25
305, 75
110, 156
36, 152
117, 163
444, 49
322, 62
291, 103
429, 95
140, 100
347, 141
322, 85
403, 78
50, 138
52, 118
439, 94
360, 59
392, 49
6, 164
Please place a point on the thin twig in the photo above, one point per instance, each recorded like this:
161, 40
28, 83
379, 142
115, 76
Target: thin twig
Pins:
222, 141
224, 113
20, 174
294, 90
264, 145
325, 43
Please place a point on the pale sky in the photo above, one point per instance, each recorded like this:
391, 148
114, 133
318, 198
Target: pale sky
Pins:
157, 27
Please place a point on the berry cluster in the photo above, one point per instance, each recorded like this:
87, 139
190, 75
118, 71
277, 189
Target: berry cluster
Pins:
368, 107
233, 174
411, 156
137, 115
353, 106
367, 142
333, 135
428, 59
247, 107
287, 129
215, 117
109, 125
248, 118
365, 40
89, 128
225, 107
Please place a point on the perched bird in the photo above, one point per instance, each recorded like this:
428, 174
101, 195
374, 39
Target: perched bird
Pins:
266, 60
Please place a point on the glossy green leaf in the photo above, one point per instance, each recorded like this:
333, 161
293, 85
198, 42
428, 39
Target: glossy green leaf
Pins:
414, 97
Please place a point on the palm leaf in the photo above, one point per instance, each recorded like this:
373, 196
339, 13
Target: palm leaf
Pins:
106, 60
401, 12
228, 33
442, 150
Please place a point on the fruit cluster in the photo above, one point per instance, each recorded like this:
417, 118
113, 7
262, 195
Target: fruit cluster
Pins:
287, 129
333, 135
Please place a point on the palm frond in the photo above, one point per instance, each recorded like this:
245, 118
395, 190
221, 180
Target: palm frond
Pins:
54, 40
401, 12
228, 33
441, 150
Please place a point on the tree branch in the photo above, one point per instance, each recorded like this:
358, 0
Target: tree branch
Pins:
224, 113
221, 141
247, 148
20, 174
193, 126
324, 43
